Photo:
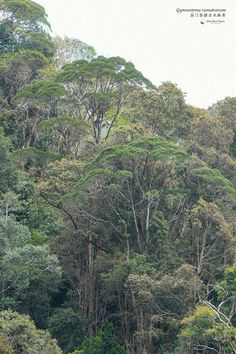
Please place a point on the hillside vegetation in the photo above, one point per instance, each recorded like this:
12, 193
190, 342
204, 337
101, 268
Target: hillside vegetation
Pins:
117, 203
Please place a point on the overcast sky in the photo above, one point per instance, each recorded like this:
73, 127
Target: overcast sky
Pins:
164, 45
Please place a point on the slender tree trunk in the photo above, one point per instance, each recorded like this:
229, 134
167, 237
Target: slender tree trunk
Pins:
91, 283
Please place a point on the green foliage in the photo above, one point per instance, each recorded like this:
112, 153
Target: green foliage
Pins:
22, 335
104, 85
31, 275
67, 327
17, 69
13, 233
31, 264
104, 342
230, 279
5, 347
214, 182
117, 203
23, 25
45, 89
156, 148
76, 124
61, 177
202, 331
24, 10
68, 133
149, 149
35, 154
7, 173
115, 68
162, 110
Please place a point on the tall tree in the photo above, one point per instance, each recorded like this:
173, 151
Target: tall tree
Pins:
23, 24
99, 88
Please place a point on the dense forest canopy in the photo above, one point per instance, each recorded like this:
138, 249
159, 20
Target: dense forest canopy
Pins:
117, 203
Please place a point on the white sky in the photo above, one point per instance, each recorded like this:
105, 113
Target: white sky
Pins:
201, 59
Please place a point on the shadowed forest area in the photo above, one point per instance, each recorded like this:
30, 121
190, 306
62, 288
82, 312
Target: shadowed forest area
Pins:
117, 203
